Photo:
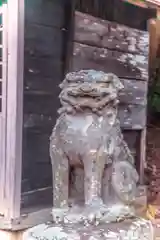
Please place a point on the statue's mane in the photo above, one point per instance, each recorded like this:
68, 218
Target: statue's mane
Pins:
88, 90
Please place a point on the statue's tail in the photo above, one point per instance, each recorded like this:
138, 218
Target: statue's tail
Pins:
124, 181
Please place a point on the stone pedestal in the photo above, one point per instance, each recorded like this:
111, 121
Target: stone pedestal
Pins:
135, 229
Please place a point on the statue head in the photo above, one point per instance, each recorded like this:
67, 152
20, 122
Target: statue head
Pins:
90, 90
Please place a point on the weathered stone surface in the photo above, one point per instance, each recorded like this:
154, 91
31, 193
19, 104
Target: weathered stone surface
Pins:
129, 230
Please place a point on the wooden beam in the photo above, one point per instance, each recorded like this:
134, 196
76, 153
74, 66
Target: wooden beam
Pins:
143, 164
4, 107
154, 39
139, 3
14, 108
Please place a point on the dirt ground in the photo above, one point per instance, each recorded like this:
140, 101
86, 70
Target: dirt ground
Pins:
153, 162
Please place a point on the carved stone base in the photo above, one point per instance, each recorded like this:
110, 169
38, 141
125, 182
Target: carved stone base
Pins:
99, 213
126, 230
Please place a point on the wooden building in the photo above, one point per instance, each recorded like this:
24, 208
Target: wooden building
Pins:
47, 40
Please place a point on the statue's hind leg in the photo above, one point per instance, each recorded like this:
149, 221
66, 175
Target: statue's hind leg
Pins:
60, 173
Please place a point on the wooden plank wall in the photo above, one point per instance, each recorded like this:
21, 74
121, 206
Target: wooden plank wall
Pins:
44, 59
118, 11
98, 44
110, 47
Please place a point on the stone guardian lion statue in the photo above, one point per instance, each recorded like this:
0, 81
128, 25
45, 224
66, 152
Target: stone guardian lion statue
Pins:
87, 134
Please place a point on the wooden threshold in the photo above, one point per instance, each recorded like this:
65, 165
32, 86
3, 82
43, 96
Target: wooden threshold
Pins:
27, 220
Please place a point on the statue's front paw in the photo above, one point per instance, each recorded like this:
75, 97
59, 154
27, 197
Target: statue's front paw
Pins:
94, 212
59, 214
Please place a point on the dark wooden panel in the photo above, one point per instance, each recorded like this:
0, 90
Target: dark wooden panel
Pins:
118, 11
42, 41
42, 104
132, 116
0, 104
125, 65
38, 122
36, 159
41, 196
0, 88
0, 96
132, 15
97, 32
42, 67
131, 137
44, 12
135, 92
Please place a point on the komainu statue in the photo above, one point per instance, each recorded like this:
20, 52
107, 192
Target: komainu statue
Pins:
87, 135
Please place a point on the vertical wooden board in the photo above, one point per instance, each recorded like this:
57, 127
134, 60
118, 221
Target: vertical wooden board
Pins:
131, 137
42, 41
43, 67
68, 35
37, 157
49, 13
154, 34
13, 161
39, 122
0, 100
46, 43
0, 136
0, 88
42, 104
142, 153
3, 102
39, 85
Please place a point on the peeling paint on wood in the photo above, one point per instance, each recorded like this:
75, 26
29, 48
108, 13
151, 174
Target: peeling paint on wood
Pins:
101, 33
124, 65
